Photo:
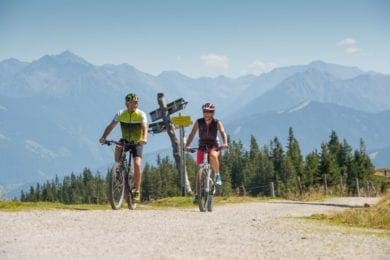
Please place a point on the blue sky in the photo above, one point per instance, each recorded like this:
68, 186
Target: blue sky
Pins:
200, 38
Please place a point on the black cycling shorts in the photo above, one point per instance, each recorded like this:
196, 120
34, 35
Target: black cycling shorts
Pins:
136, 149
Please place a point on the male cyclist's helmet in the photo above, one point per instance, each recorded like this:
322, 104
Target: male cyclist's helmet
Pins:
131, 97
208, 107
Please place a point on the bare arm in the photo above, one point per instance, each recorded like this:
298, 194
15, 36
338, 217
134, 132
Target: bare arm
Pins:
192, 135
144, 133
222, 132
107, 131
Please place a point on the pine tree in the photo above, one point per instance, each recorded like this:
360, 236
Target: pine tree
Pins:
147, 188
277, 158
235, 161
311, 170
328, 166
296, 158
363, 164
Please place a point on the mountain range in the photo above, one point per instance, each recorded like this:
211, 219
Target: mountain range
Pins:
54, 109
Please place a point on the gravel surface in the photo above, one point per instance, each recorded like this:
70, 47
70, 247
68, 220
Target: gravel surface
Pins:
259, 230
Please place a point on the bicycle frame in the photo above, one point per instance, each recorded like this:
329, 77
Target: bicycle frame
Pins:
122, 180
206, 166
204, 183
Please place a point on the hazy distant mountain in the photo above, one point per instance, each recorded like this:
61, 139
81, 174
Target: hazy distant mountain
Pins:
312, 123
380, 157
53, 110
9, 67
268, 81
367, 92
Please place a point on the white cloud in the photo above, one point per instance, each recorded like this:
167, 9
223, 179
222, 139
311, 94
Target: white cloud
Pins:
215, 61
349, 45
37, 148
347, 42
352, 50
3, 137
258, 67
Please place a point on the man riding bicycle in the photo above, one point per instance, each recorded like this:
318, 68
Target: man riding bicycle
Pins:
134, 128
208, 128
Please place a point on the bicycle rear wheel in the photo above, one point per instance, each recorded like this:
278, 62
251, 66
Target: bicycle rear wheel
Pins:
116, 188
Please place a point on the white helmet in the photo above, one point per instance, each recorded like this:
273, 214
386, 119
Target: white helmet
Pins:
208, 106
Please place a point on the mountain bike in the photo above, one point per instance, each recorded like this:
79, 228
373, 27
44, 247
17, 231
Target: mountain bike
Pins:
121, 178
205, 186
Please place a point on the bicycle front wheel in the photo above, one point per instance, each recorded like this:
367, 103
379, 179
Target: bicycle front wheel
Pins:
130, 189
116, 187
204, 199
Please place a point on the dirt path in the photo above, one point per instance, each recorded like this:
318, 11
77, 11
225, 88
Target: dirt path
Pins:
261, 230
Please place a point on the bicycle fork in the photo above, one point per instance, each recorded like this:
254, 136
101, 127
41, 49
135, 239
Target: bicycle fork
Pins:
209, 180
208, 189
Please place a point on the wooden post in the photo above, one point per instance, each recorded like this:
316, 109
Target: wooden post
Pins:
357, 187
373, 189
177, 154
299, 185
367, 188
185, 183
325, 185
272, 189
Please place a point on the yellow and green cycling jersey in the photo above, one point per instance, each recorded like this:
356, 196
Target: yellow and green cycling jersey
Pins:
131, 124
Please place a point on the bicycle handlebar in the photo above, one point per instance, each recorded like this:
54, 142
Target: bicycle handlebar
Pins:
194, 149
110, 142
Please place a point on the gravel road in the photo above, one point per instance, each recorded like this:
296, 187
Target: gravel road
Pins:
258, 230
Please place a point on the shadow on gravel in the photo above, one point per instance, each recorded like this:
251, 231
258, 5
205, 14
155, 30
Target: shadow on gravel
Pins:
322, 204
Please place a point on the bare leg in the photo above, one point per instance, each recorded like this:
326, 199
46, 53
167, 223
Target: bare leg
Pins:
137, 173
117, 154
214, 160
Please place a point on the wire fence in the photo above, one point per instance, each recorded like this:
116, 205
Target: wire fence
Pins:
366, 188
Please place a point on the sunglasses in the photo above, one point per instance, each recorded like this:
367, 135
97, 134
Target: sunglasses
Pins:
208, 111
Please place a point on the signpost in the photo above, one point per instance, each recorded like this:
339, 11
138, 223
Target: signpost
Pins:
167, 124
171, 108
181, 122
157, 127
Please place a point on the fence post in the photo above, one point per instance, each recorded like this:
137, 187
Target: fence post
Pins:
300, 185
325, 185
271, 186
357, 187
372, 189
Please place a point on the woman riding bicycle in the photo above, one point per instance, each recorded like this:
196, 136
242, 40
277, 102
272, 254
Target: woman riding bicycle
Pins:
208, 128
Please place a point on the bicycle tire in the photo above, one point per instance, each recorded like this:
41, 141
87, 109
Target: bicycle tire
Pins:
129, 192
210, 196
203, 197
116, 187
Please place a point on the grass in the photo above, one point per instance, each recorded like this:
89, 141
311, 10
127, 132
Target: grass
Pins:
11, 206
385, 172
377, 216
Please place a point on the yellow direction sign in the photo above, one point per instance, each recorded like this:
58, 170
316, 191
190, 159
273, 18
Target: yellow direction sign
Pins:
181, 120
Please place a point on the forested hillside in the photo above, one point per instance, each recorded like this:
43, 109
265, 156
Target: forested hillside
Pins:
244, 172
